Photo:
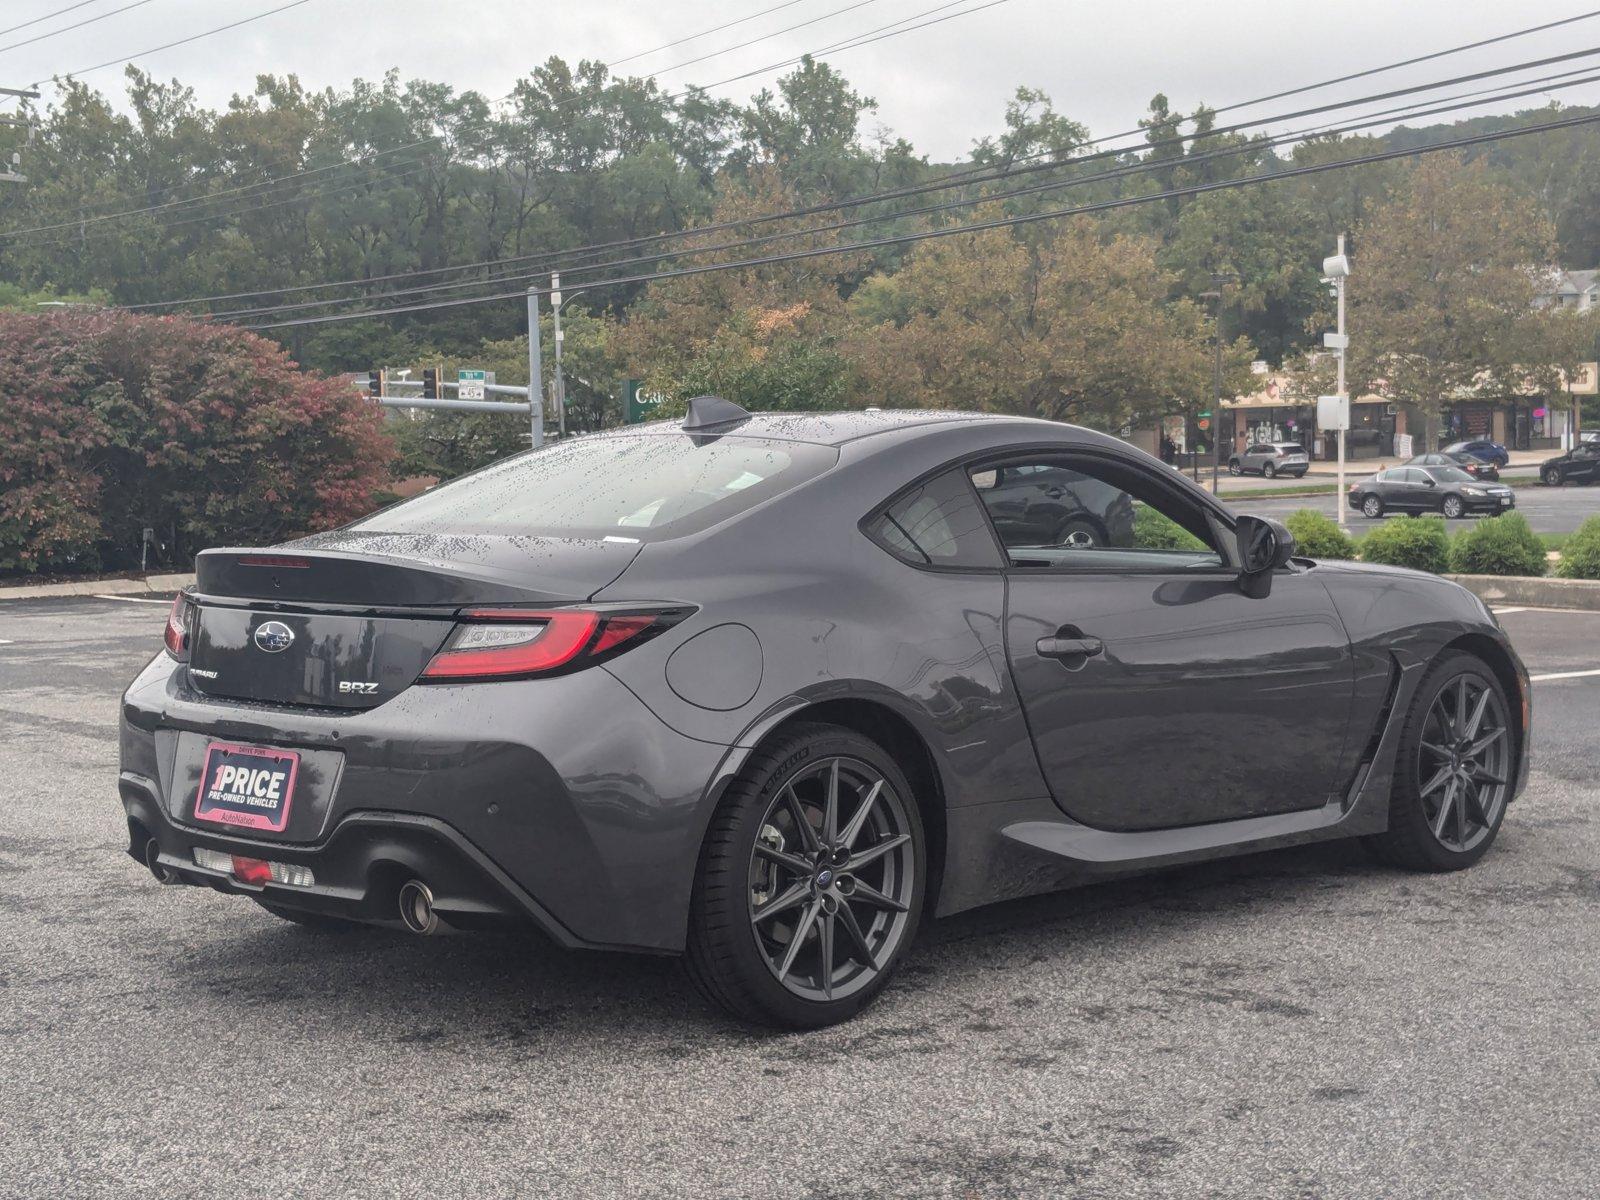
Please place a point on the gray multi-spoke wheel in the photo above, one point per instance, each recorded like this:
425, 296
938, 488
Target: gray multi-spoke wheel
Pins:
1455, 771
1552, 476
1372, 507
832, 877
811, 881
1452, 507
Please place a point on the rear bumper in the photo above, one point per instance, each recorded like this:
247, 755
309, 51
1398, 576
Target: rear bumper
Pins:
358, 869
562, 802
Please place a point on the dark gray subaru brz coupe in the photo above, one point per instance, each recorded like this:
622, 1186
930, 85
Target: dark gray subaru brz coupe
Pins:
765, 691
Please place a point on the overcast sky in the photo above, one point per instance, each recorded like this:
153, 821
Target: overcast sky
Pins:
941, 86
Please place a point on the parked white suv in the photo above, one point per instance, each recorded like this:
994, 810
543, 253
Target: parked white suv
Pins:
1271, 459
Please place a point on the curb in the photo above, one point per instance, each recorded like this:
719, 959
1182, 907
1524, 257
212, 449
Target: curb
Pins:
99, 587
1535, 593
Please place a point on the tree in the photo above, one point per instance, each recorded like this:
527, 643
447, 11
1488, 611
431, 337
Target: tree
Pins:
207, 434
1441, 297
1070, 327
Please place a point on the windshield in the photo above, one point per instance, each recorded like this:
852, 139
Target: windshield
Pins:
635, 488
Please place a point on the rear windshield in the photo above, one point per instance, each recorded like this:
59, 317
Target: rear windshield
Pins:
639, 488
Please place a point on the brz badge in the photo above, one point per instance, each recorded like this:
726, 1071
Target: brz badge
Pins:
351, 688
274, 637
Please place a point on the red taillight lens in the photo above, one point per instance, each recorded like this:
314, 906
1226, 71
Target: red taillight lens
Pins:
177, 631
253, 871
514, 643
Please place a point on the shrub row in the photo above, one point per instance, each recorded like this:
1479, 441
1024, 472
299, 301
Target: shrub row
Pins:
1503, 545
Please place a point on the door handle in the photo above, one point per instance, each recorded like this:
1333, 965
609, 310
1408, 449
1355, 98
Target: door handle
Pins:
1069, 647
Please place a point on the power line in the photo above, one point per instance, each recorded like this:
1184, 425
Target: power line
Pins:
60, 12
961, 179
69, 28
704, 33
193, 37
370, 161
1144, 166
969, 227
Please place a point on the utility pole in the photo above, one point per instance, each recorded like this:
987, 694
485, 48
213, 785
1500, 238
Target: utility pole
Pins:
1336, 270
560, 383
1219, 280
535, 372
12, 172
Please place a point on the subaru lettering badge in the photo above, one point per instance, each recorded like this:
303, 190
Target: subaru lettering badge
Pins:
273, 637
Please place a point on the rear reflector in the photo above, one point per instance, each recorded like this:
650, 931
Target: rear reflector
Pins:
518, 643
257, 872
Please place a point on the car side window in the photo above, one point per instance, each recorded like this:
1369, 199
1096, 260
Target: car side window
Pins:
936, 524
1087, 513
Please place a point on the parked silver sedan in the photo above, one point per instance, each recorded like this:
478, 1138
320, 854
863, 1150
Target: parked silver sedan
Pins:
1271, 459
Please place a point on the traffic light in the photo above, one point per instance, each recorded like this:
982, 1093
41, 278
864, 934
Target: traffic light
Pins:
430, 383
375, 382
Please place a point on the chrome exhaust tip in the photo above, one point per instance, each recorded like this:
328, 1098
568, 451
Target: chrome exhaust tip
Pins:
152, 859
416, 908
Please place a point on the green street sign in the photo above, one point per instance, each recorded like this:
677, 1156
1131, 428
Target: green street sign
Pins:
471, 385
639, 403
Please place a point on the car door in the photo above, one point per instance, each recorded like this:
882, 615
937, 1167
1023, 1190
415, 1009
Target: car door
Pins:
1252, 458
1585, 464
1157, 693
1406, 489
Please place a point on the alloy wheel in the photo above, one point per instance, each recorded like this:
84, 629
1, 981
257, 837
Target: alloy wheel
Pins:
1372, 507
832, 876
1552, 477
1452, 507
1463, 763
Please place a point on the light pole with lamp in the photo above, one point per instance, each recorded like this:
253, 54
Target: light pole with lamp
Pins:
556, 304
1219, 281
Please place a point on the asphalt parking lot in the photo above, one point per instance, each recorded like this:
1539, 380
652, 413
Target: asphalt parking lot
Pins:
1295, 1024
1548, 509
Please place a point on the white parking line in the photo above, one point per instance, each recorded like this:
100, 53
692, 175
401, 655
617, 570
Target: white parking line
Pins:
135, 600
1503, 611
1563, 675
7, 641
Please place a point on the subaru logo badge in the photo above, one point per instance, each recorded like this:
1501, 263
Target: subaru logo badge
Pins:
273, 636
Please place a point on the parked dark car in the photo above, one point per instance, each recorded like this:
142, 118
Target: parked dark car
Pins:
768, 691
1270, 459
1476, 467
1447, 490
1581, 464
1041, 505
1480, 448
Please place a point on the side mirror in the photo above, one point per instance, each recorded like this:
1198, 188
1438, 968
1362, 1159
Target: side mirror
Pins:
1264, 546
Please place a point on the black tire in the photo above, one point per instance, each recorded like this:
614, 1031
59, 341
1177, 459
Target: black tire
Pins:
1453, 502
1268, 470
1233, 467
1372, 507
1411, 840
1552, 477
315, 922
1080, 533
727, 959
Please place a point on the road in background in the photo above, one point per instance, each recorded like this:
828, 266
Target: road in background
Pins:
1549, 510
1299, 1023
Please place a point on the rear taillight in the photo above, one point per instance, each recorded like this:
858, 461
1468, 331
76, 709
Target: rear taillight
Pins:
518, 643
179, 618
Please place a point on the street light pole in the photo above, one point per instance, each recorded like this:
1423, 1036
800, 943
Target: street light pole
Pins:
1219, 280
535, 372
1344, 399
556, 304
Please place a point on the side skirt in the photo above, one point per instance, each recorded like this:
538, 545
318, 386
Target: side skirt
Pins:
1022, 848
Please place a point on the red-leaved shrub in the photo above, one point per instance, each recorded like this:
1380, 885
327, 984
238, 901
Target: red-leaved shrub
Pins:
111, 422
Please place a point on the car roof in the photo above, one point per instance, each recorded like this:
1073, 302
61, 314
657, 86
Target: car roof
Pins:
836, 428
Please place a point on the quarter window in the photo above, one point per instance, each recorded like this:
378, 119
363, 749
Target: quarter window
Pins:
936, 524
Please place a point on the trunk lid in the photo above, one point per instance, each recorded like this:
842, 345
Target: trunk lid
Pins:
348, 620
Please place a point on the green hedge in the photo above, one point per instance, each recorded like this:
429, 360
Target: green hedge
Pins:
1152, 531
1316, 536
1503, 545
1420, 543
1580, 556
